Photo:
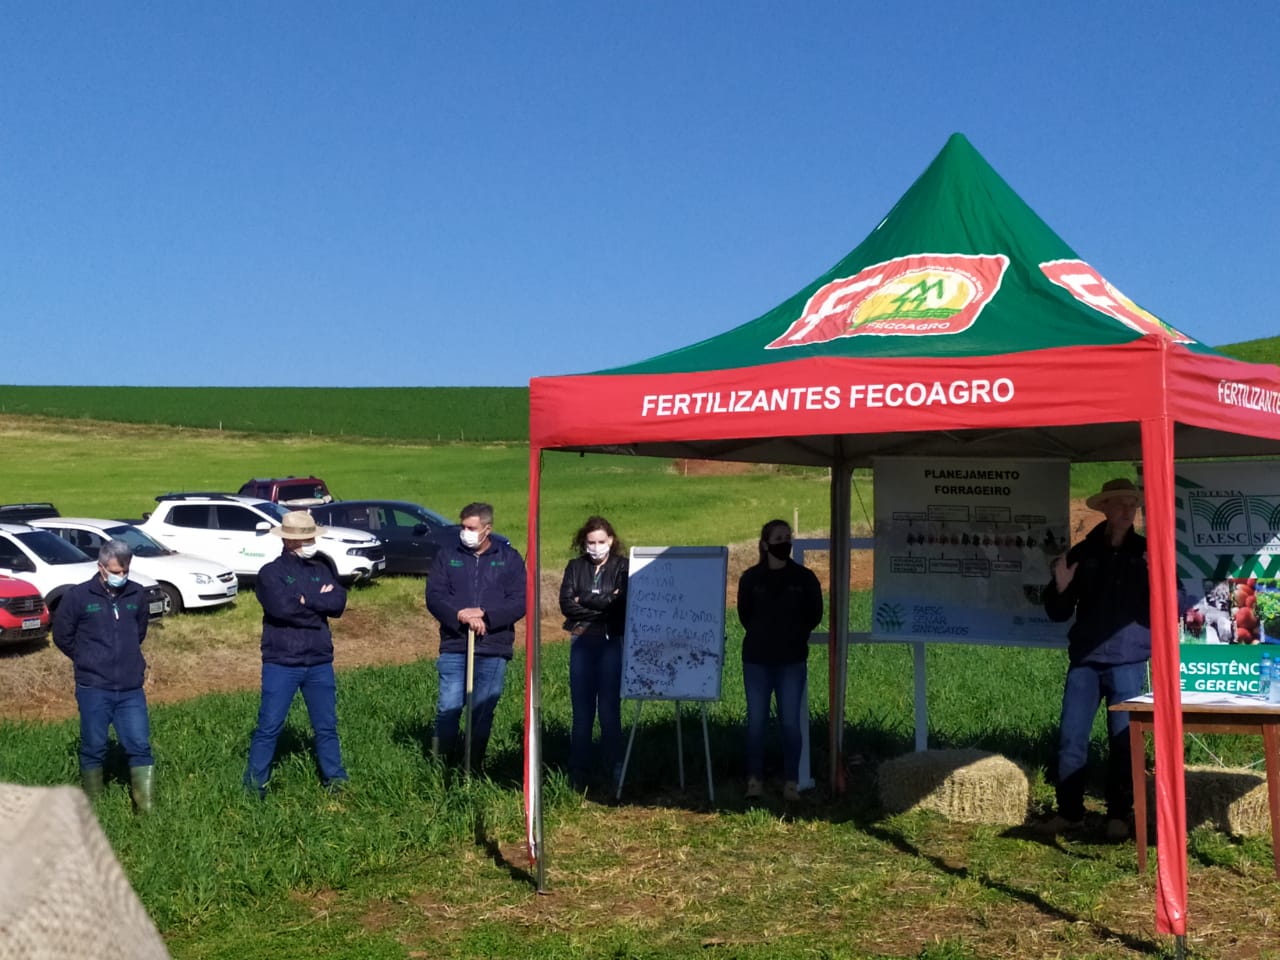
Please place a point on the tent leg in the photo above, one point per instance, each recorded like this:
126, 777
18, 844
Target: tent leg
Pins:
838, 617
922, 701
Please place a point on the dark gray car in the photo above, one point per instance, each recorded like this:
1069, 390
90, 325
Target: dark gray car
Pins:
411, 534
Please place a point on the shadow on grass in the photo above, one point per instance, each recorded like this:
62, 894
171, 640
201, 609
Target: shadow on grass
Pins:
495, 854
1031, 899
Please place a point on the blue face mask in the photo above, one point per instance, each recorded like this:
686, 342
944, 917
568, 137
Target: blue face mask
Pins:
117, 580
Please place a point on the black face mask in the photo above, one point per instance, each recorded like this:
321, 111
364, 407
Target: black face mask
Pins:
780, 551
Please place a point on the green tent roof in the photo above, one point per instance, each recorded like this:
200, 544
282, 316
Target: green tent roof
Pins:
958, 264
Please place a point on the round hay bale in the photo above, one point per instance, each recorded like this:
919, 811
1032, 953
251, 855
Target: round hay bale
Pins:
1230, 799
969, 786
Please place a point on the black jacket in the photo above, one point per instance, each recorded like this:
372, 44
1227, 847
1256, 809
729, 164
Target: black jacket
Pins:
102, 632
295, 614
493, 580
591, 606
1110, 596
779, 609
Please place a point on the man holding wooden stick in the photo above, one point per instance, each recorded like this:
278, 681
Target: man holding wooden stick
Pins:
476, 590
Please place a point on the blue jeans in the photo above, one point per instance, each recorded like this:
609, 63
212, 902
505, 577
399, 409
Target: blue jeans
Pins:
124, 709
490, 672
320, 693
1087, 684
762, 681
595, 685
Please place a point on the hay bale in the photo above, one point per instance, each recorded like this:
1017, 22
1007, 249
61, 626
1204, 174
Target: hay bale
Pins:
1230, 799
969, 786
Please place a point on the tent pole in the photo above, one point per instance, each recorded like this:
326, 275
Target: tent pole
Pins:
533, 677
1171, 807
838, 612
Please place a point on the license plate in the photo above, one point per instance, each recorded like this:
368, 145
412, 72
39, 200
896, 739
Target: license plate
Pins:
380, 565
156, 608
231, 590
31, 623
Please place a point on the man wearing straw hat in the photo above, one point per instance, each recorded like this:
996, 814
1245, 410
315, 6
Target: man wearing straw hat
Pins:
476, 590
1102, 581
298, 594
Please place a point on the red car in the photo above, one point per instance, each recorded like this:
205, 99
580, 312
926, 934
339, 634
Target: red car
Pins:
23, 616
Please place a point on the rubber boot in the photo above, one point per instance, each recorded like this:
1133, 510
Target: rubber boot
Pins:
141, 783
91, 782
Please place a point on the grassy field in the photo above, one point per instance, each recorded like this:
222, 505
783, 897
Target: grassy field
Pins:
93, 469
423, 414
412, 863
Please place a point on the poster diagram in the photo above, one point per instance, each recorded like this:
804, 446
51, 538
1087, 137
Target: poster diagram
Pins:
963, 548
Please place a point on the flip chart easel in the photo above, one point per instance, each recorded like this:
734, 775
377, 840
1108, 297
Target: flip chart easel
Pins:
673, 646
706, 747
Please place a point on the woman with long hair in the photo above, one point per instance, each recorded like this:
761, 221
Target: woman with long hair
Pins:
593, 599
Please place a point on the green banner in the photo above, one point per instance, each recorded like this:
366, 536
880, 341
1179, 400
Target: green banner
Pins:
1220, 668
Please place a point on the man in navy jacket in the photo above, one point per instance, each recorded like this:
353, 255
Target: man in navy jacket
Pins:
100, 624
298, 594
476, 585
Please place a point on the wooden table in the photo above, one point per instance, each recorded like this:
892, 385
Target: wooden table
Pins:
1239, 716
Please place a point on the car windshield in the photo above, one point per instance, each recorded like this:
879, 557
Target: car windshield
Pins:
273, 510
431, 517
51, 548
302, 491
139, 542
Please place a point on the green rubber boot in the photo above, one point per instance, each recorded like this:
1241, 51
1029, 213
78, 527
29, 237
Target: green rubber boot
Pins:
141, 785
91, 782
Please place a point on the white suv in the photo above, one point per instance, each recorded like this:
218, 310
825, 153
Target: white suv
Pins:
236, 531
188, 582
53, 565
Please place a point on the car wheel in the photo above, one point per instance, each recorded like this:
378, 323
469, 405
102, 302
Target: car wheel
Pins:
172, 599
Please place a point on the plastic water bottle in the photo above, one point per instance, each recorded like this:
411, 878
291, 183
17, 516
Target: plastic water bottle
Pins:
1273, 688
1265, 686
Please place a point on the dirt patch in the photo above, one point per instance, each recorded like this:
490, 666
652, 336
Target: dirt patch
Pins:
716, 468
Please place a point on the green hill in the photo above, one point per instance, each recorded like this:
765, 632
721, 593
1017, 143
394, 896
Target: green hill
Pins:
422, 414
1265, 350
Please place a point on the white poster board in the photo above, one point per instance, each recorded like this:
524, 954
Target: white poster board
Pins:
963, 548
673, 647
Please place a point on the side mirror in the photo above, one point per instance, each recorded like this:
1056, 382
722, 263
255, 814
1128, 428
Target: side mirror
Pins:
263, 527
420, 530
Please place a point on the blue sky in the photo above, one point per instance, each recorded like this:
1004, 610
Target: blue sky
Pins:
322, 194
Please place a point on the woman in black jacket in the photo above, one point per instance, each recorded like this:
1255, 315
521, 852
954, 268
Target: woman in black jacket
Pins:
593, 599
779, 604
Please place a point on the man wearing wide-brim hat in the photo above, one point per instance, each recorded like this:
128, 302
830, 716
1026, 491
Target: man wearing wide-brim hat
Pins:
1102, 581
299, 594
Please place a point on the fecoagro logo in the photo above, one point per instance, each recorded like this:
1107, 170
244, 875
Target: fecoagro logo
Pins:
1092, 289
924, 294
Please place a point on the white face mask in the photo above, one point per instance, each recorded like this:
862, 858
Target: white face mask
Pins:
470, 538
307, 552
598, 551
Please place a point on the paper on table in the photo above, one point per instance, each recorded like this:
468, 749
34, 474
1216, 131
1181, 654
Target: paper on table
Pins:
1209, 699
